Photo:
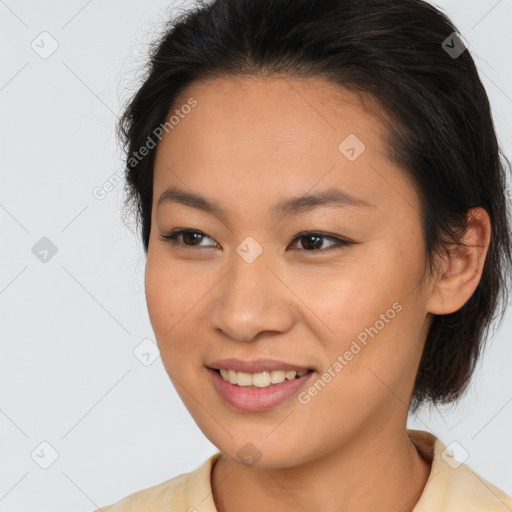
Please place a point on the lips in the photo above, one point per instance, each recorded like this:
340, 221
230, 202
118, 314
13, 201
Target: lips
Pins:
254, 398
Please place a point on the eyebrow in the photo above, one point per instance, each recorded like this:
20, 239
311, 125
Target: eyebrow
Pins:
294, 205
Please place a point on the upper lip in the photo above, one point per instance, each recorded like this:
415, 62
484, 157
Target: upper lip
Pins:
254, 366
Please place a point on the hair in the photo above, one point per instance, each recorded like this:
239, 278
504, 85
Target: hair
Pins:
440, 128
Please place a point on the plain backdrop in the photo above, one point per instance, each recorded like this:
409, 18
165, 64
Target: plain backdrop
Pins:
74, 396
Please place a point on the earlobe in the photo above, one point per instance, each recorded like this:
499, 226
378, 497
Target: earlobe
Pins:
461, 268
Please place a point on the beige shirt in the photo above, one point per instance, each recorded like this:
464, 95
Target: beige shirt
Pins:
451, 487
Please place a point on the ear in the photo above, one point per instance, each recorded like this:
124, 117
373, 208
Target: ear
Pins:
460, 270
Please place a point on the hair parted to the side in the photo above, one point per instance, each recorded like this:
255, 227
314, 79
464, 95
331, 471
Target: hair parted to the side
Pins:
441, 131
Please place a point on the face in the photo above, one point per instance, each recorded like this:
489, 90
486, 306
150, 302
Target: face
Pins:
270, 281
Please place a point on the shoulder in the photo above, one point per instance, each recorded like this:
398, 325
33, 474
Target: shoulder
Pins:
170, 492
453, 486
178, 493
462, 486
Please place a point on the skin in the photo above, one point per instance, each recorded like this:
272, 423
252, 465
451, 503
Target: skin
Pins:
249, 143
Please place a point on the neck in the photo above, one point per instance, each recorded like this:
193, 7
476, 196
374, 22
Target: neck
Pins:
379, 470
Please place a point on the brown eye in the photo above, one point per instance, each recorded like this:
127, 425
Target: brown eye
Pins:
313, 242
189, 237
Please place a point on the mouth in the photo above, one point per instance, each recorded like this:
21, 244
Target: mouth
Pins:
259, 379
255, 386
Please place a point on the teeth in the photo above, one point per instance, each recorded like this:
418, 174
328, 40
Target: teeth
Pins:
244, 379
277, 376
232, 376
260, 379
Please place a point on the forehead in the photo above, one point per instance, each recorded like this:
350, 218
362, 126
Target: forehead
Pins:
273, 134
277, 103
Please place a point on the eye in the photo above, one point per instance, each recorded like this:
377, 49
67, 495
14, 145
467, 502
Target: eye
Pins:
190, 237
313, 240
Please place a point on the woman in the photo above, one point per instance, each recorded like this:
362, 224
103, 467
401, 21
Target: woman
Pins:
322, 204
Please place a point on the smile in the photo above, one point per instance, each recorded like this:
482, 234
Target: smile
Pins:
260, 379
258, 391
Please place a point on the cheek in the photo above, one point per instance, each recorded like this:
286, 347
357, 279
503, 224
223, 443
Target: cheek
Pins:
345, 298
171, 290
371, 307
161, 307
169, 299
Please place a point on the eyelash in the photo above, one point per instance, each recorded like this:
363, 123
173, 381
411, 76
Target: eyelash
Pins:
172, 238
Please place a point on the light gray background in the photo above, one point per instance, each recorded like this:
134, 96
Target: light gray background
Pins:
68, 374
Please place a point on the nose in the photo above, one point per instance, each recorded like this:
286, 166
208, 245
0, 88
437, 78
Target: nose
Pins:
252, 301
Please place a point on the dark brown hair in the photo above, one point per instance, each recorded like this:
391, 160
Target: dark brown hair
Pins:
404, 54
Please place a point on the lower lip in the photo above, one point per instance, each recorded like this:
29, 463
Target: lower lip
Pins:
255, 400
